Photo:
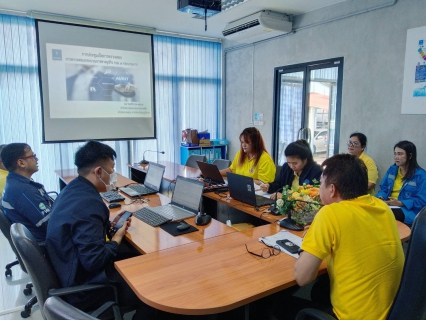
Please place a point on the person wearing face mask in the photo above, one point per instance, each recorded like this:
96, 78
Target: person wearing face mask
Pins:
78, 228
300, 168
356, 146
252, 160
24, 200
404, 184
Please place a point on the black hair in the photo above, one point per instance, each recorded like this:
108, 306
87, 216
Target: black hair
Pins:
299, 149
12, 153
411, 151
92, 154
361, 137
348, 174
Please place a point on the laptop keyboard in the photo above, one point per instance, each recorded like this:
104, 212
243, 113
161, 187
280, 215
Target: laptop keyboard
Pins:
152, 218
112, 196
262, 201
141, 189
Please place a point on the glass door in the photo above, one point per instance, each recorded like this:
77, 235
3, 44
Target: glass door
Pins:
307, 106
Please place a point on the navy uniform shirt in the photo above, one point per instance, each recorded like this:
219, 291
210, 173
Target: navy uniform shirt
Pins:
25, 201
75, 239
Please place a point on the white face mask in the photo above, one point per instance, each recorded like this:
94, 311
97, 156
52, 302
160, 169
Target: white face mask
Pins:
112, 180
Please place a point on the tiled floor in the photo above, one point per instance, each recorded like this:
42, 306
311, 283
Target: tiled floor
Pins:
12, 299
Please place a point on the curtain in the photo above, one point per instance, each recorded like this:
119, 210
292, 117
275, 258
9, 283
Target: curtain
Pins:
187, 94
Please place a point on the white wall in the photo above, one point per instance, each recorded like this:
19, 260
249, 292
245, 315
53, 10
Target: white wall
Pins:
373, 47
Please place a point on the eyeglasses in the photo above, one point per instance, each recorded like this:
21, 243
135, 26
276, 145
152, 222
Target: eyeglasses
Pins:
352, 144
27, 157
266, 252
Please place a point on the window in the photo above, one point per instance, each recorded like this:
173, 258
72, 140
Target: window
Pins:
187, 93
307, 102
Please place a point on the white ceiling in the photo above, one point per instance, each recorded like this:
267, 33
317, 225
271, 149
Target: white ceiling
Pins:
162, 14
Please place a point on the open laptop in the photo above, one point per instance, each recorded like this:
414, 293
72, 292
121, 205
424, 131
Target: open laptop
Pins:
185, 200
241, 188
212, 178
152, 182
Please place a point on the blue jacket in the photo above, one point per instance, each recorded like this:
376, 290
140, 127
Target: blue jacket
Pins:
75, 239
26, 202
412, 194
310, 172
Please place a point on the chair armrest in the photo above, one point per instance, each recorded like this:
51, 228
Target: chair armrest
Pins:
310, 313
82, 288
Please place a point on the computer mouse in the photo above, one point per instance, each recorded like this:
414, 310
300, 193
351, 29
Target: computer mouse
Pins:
183, 226
114, 205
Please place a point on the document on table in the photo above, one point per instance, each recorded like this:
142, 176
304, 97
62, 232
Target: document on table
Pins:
263, 193
283, 234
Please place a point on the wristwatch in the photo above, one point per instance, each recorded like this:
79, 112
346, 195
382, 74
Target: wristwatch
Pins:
299, 251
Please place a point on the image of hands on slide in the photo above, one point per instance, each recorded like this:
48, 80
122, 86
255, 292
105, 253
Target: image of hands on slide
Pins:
97, 83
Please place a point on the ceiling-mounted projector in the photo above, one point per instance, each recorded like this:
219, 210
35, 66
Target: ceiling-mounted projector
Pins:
199, 7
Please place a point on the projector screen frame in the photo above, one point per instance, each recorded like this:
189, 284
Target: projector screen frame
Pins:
42, 67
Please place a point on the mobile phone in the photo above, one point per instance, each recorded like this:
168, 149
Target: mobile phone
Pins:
288, 245
125, 216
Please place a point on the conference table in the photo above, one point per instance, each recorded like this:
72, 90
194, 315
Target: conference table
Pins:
208, 271
143, 237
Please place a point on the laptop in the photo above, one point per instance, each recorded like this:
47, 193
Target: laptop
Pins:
211, 174
185, 200
152, 183
241, 188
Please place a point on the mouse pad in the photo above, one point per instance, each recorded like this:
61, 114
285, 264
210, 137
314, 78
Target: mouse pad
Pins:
171, 228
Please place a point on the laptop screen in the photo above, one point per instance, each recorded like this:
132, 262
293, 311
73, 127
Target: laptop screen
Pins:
154, 176
210, 172
187, 193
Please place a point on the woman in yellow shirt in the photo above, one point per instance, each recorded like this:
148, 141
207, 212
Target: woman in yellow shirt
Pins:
252, 160
356, 146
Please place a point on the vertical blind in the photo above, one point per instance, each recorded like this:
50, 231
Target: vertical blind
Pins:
187, 95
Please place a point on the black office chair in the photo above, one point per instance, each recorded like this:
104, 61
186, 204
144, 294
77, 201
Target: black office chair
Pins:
192, 160
5, 225
57, 309
221, 163
277, 171
46, 283
410, 300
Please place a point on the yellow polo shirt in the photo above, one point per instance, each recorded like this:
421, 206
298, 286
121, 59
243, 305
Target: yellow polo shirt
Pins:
3, 176
373, 173
264, 171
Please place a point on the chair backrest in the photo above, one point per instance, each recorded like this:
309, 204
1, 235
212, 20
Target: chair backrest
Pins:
222, 163
410, 300
5, 225
278, 171
36, 262
192, 160
57, 309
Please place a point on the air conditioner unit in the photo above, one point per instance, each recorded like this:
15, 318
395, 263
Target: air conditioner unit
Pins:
259, 26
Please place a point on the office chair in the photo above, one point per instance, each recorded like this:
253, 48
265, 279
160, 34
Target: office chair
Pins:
5, 225
57, 309
410, 300
222, 163
43, 276
192, 160
277, 171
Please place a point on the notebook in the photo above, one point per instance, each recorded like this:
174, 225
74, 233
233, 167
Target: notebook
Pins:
241, 188
210, 173
185, 200
152, 182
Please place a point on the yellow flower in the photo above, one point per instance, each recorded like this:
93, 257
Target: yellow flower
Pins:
295, 195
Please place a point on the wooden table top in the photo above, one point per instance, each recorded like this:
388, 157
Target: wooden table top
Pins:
172, 170
211, 276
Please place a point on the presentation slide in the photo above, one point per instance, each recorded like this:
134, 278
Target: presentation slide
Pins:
96, 83
111, 83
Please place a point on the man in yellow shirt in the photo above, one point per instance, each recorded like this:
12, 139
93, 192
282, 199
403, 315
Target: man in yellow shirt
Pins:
357, 235
3, 172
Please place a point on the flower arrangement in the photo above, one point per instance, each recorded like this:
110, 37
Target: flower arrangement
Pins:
304, 202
